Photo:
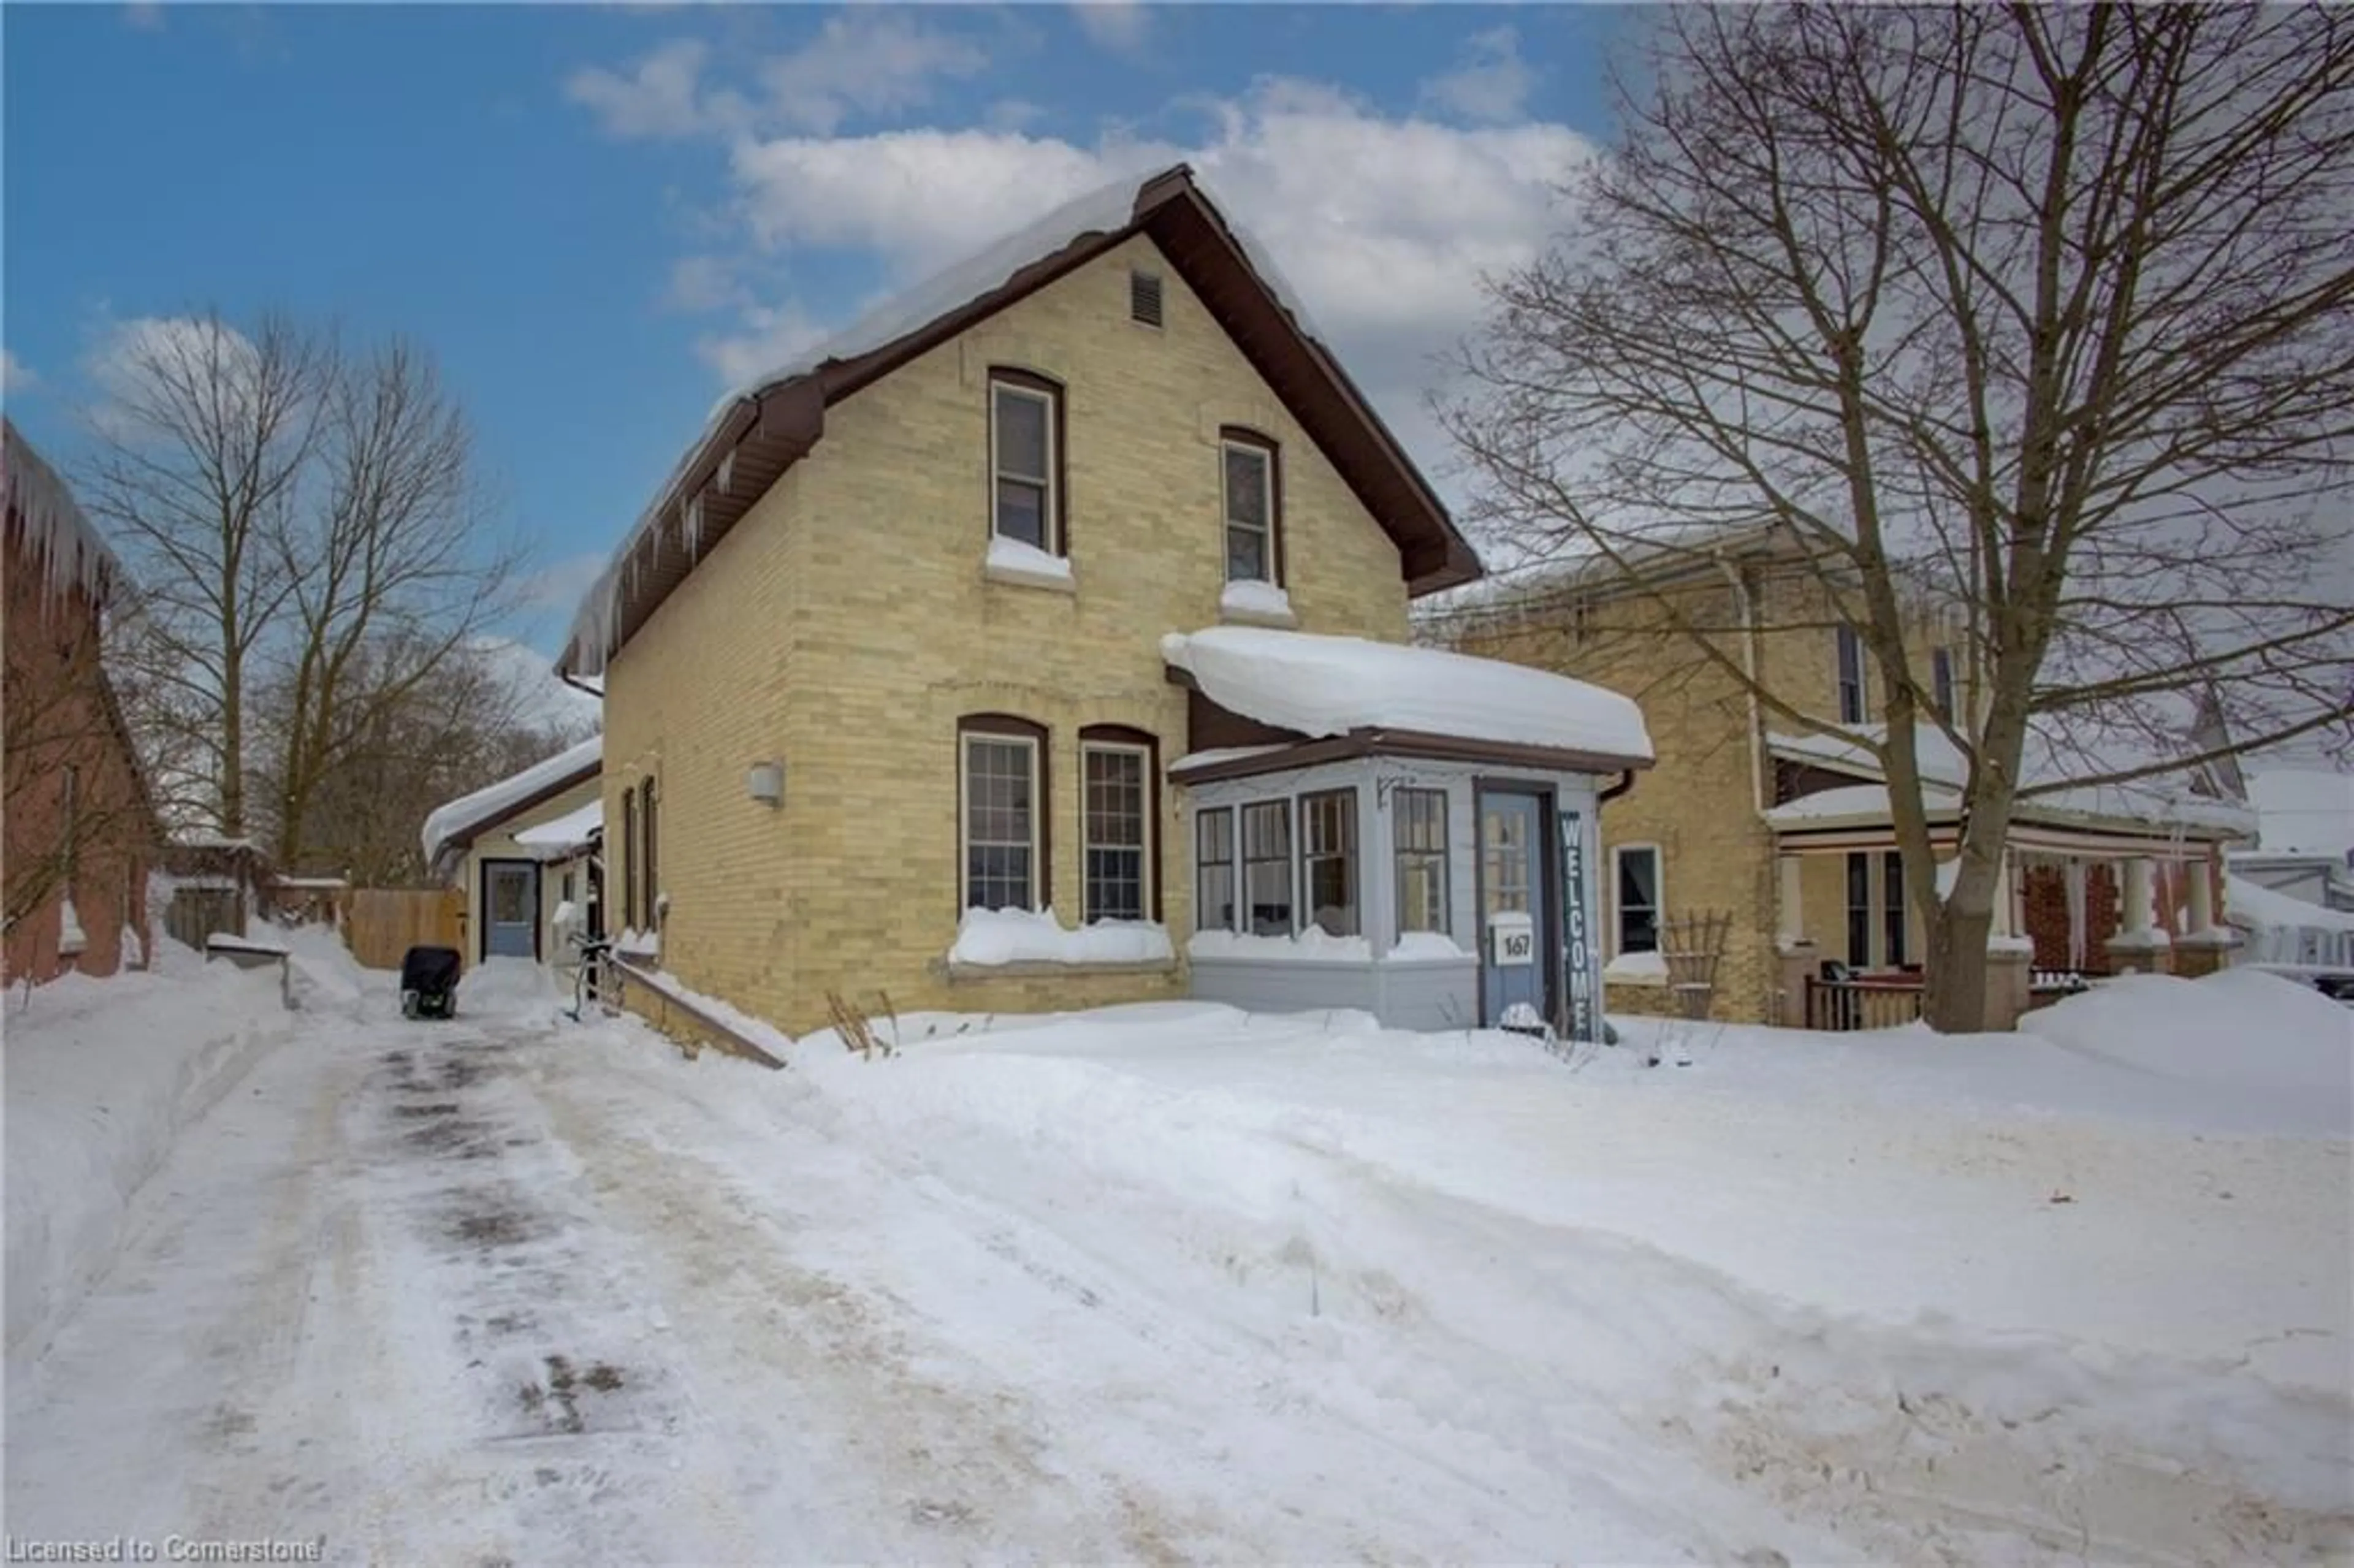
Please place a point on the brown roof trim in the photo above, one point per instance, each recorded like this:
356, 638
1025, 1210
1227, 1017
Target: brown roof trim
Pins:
766, 432
1411, 743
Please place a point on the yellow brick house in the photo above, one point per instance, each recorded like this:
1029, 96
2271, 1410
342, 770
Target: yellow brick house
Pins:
1041, 643
1789, 830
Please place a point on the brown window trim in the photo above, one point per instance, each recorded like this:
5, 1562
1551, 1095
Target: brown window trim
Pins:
1059, 503
1128, 735
1042, 807
1244, 435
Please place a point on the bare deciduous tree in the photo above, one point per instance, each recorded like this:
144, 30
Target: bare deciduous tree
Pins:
309, 534
2043, 314
203, 443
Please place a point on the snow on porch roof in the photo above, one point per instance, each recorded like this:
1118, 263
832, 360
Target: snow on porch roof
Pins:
566, 834
1318, 686
454, 825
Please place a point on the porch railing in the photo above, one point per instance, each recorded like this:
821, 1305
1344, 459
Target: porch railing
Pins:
1839, 1006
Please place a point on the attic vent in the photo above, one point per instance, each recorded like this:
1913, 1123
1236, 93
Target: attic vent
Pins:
1144, 298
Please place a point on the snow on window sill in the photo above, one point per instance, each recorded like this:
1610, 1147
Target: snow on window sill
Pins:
1313, 945
1004, 941
1017, 564
1425, 947
1254, 603
1636, 968
636, 944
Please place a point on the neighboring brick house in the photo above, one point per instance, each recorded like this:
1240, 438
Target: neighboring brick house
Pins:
963, 620
80, 828
1790, 831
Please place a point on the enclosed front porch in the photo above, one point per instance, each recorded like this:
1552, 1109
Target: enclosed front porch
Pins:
1396, 829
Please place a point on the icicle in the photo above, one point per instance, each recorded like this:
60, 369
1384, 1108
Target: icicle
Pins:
695, 527
726, 478
62, 544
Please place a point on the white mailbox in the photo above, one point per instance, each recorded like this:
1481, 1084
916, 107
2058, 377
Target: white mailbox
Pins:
1511, 938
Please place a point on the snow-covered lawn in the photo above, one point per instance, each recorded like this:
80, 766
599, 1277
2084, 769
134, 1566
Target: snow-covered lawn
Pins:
1176, 1283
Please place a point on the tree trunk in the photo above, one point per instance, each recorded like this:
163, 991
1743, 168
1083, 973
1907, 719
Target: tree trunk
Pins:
1956, 1000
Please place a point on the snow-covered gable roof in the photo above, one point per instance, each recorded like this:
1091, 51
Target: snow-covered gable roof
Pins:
58, 539
454, 825
1318, 686
1944, 773
761, 427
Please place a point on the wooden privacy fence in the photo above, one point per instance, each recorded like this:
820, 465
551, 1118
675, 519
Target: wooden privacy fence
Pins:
386, 922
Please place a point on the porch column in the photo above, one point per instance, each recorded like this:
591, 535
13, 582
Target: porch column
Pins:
1797, 950
2138, 945
2009, 955
2207, 946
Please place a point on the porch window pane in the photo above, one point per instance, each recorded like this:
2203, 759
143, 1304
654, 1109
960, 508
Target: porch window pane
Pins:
1213, 869
1858, 910
1504, 860
1267, 867
1891, 905
1418, 824
1639, 898
1328, 825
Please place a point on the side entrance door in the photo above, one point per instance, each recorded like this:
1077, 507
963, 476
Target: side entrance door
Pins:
1516, 930
510, 909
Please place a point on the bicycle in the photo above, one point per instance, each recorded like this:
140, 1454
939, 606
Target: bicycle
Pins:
588, 973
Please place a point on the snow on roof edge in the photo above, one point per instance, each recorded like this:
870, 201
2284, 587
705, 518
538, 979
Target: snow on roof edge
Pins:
472, 813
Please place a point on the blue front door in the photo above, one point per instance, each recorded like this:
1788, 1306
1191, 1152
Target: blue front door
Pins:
510, 909
1515, 919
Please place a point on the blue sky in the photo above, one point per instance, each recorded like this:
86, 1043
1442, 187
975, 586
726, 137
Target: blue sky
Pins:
598, 218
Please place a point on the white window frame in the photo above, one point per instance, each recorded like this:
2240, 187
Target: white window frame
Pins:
966, 741
1266, 453
1004, 387
1659, 893
1444, 855
1145, 884
1843, 638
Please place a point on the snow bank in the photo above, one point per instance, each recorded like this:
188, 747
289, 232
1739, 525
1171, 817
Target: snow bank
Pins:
1425, 947
1323, 685
987, 938
1313, 945
102, 1075
1637, 967
468, 812
2250, 903
2240, 1027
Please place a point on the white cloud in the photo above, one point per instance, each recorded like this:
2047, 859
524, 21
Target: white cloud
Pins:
15, 375
768, 336
865, 61
560, 584
146, 16
1120, 26
704, 283
1390, 264
1490, 83
134, 364
661, 96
